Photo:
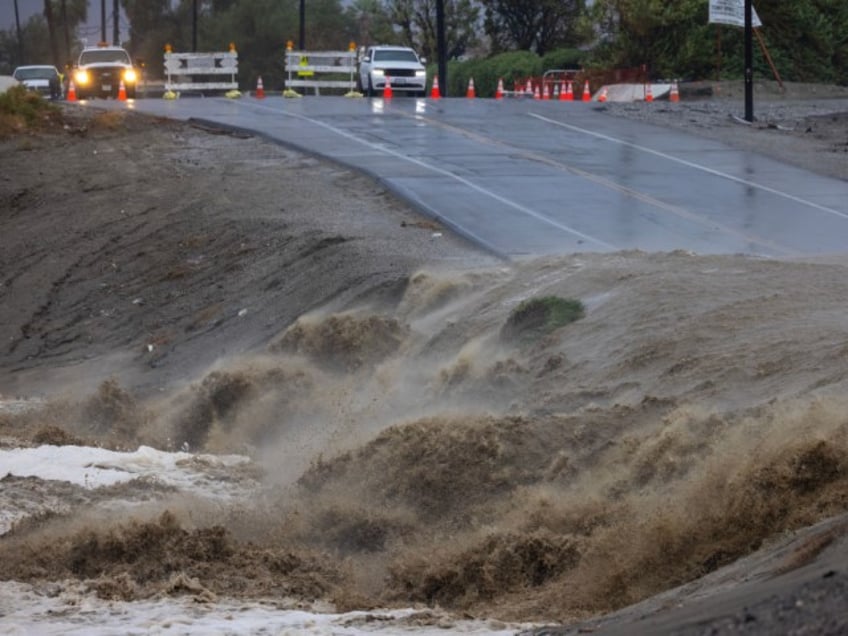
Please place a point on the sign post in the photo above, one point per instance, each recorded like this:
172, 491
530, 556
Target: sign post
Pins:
740, 13
749, 62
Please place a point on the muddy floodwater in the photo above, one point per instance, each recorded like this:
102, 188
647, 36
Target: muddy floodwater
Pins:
284, 412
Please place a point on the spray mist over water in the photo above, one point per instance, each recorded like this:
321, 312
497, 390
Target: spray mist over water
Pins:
415, 455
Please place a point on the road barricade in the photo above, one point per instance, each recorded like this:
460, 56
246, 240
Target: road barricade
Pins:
320, 69
201, 72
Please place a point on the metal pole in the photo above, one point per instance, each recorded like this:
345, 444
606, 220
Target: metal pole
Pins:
194, 26
102, 20
441, 46
749, 62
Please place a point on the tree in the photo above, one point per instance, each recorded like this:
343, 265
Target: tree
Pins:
260, 29
535, 25
808, 39
36, 45
371, 23
416, 23
152, 26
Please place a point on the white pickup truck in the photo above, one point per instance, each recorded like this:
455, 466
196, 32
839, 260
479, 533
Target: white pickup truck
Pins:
100, 71
401, 64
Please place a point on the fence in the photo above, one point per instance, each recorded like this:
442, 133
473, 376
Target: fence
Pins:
320, 69
201, 71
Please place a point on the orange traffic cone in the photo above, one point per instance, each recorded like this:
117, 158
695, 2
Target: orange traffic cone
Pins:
649, 96
529, 89
434, 93
387, 89
555, 96
470, 94
674, 96
122, 92
568, 94
536, 93
72, 92
500, 90
546, 94
603, 96
587, 95
260, 89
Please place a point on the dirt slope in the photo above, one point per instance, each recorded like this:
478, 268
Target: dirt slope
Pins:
243, 298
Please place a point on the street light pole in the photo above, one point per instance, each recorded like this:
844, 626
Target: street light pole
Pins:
749, 62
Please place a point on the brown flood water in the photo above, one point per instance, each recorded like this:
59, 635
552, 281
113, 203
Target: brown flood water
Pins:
415, 455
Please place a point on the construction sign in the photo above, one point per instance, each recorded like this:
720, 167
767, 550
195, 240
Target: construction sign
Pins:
303, 67
732, 12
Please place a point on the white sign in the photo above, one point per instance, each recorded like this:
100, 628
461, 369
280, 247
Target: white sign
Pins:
732, 12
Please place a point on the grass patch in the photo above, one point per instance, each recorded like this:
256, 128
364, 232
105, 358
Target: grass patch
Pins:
22, 110
537, 317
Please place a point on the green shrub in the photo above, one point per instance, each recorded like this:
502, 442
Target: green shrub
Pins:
516, 65
21, 109
537, 317
564, 59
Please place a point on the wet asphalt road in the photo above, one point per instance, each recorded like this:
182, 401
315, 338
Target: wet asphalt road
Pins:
523, 177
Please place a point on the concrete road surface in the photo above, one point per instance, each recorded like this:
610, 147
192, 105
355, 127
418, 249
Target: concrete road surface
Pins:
523, 177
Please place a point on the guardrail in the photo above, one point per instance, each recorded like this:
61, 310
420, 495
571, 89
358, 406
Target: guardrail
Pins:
310, 69
201, 71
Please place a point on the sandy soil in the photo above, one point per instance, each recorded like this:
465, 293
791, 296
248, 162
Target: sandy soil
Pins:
682, 446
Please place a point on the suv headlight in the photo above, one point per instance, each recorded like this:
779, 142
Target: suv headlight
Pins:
420, 73
378, 72
81, 76
130, 76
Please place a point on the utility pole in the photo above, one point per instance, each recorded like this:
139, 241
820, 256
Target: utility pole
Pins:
302, 44
441, 46
749, 62
116, 24
102, 20
194, 26
20, 38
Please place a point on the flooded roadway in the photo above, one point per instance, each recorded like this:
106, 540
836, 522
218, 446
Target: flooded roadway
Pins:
523, 177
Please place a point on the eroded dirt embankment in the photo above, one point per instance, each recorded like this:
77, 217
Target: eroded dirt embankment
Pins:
404, 450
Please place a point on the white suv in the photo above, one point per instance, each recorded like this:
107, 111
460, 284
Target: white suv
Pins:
403, 66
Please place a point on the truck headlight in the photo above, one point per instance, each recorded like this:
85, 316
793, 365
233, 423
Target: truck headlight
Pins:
81, 77
378, 72
130, 76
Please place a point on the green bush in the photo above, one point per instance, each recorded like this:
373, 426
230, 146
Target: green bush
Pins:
486, 72
21, 102
22, 109
563, 59
537, 317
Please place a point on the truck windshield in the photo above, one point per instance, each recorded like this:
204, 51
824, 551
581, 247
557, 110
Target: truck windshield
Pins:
104, 56
395, 56
35, 72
